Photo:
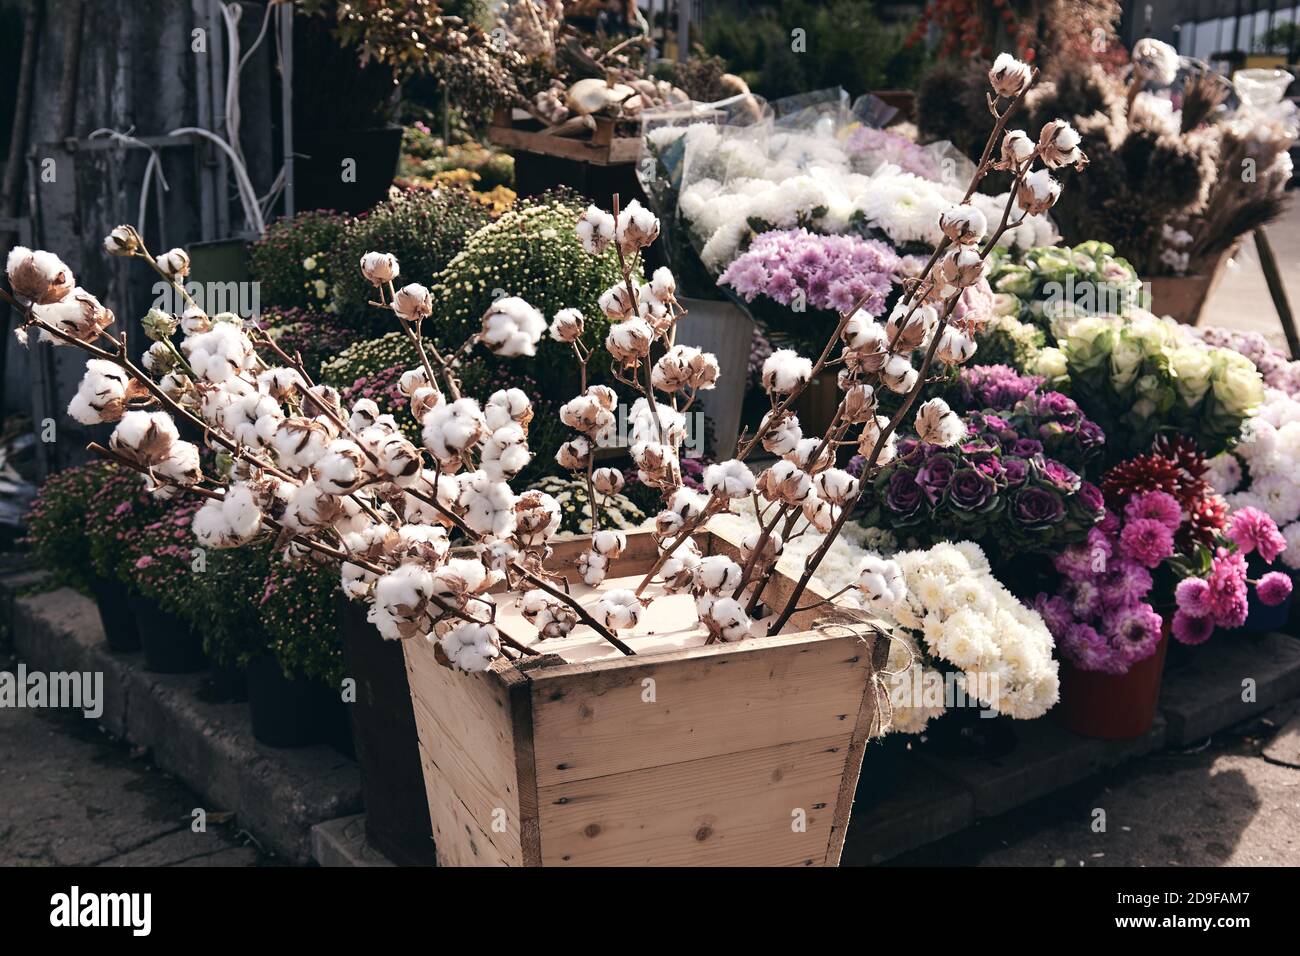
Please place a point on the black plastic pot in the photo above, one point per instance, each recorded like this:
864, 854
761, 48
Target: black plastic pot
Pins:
371, 156
285, 712
170, 645
120, 631
225, 682
387, 744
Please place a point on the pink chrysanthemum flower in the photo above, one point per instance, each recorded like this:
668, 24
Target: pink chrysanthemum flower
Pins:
1146, 541
1274, 588
1193, 597
1251, 529
1192, 630
1158, 505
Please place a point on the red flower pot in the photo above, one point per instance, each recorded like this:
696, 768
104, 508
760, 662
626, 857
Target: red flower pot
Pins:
1113, 706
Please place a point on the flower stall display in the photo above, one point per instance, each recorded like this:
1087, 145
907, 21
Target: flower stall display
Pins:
492, 609
1054, 285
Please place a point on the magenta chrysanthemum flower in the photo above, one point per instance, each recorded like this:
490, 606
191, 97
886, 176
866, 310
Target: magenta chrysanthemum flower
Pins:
1158, 505
1251, 529
1129, 583
1146, 541
1274, 588
1192, 630
1193, 597
1227, 580
1134, 631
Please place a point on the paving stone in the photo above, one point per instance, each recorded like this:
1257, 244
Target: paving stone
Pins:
1046, 757
1204, 695
278, 794
342, 842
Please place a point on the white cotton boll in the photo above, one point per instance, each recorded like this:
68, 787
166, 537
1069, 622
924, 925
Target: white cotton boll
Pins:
607, 481
567, 326
412, 380
898, 375
664, 425
608, 544
251, 416
678, 569
635, 228
175, 263
487, 503
955, 346
785, 370
399, 460
727, 619
280, 383
471, 647
783, 436
629, 341
209, 525
452, 428
663, 286
401, 601
145, 437
937, 424
364, 414
618, 609
102, 394
38, 278
586, 414
729, 479
512, 327
616, 302
574, 454
862, 333
309, 507
881, 583
718, 573
686, 502
963, 223
181, 464
458, 580
595, 230
299, 442
820, 513
380, 268
507, 405
220, 354
784, 482
422, 543
505, 453
802, 456
216, 401
413, 303
836, 486
592, 567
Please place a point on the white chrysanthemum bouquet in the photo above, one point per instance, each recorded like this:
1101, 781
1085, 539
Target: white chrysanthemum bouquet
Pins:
432, 536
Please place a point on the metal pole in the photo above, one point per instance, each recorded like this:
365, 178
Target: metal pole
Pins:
683, 29
286, 102
1268, 262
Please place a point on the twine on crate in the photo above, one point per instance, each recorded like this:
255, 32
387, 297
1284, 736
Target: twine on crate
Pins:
845, 623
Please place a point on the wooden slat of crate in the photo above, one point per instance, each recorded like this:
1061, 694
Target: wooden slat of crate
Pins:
618, 151
590, 720
470, 738
735, 810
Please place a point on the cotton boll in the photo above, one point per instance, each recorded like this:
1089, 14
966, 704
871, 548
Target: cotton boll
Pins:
881, 584
729, 479
537, 518
380, 268
617, 303
102, 394
399, 461
718, 573
836, 486
908, 327
250, 416
413, 303
175, 263
821, 514
607, 481
955, 346
412, 380
181, 464
963, 224
636, 228
401, 605
664, 425
551, 618
802, 456
505, 453
311, 507
619, 609
459, 580
657, 465
785, 370
629, 341
471, 647
574, 454
78, 314
678, 570
144, 437
299, 442
784, 482
567, 326
1010, 77
726, 620
898, 375
592, 567
220, 354
684, 367
782, 435
449, 430
364, 414
512, 327
487, 504
864, 335
38, 278
937, 424
608, 544
663, 286
586, 414
508, 405
595, 230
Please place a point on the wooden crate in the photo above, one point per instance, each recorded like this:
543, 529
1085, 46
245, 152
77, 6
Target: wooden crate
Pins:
741, 754
602, 147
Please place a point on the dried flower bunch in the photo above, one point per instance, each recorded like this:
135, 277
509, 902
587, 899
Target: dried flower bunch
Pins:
295, 468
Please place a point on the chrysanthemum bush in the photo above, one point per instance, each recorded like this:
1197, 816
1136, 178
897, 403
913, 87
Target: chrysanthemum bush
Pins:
295, 468
291, 262
56, 528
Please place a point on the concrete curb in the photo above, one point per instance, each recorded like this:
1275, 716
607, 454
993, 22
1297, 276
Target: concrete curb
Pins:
277, 795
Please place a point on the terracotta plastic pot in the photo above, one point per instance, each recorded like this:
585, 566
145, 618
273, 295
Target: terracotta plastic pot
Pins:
1183, 297
1113, 706
120, 630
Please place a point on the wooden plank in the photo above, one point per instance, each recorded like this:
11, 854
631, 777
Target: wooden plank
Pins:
457, 835
739, 809
621, 150
466, 725
594, 719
